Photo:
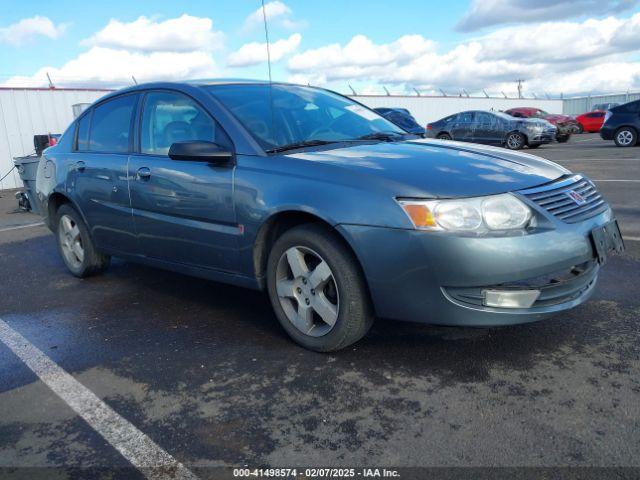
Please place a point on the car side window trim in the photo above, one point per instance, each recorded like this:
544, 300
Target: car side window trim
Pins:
137, 148
88, 113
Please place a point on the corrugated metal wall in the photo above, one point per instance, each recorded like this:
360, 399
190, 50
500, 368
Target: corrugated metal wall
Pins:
28, 112
430, 109
576, 106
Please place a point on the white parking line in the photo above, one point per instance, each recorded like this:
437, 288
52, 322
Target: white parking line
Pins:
7, 229
594, 160
142, 452
631, 239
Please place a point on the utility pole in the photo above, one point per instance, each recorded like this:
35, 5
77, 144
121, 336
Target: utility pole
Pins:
485, 93
387, 91
354, 92
520, 87
51, 85
442, 92
417, 92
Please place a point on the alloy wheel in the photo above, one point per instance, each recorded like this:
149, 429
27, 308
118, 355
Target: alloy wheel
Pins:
71, 241
307, 291
514, 141
625, 137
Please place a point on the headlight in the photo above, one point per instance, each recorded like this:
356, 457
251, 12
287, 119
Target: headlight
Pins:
474, 215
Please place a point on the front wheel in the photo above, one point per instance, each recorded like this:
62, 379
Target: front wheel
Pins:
626, 137
515, 141
76, 246
317, 289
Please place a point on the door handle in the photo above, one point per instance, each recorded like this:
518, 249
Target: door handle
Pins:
144, 173
81, 166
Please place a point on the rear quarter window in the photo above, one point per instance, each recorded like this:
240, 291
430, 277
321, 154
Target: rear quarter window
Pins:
82, 138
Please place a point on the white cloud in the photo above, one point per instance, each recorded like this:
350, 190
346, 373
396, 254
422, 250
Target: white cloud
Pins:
27, 29
554, 57
110, 67
361, 53
274, 11
256, 52
486, 13
182, 34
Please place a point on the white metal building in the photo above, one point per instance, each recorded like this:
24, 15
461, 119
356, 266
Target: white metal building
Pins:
27, 112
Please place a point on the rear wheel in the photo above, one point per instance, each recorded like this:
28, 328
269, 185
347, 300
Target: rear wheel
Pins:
515, 141
625, 137
317, 289
443, 136
76, 246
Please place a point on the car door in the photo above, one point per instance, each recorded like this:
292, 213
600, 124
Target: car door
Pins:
462, 129
183, 210
487, 128
97, 178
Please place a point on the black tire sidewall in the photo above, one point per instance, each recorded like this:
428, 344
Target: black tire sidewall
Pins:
91, 261
355, 312
444, 136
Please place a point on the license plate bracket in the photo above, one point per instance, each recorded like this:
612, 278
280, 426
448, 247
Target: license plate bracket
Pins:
607, 238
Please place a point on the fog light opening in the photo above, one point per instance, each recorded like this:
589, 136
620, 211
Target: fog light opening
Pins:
510, 298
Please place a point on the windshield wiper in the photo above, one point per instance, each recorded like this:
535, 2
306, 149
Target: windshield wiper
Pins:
386, 136
304, 143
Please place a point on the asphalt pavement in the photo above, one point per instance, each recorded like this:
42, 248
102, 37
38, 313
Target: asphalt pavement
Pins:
203, 372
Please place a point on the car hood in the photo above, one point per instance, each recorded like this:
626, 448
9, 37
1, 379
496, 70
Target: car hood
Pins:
435, 168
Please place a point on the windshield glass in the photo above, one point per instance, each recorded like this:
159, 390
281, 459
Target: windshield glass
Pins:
541, 114
300, 114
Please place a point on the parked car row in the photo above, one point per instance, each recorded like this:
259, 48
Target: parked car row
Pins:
493, 128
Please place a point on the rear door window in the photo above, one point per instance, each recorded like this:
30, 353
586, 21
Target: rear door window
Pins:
111, 125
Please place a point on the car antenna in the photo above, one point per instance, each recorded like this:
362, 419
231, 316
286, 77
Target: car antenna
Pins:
266, 35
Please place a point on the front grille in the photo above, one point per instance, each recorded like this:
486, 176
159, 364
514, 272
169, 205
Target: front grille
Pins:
554, 198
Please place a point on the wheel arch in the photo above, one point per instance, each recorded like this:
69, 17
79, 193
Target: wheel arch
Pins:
276, 225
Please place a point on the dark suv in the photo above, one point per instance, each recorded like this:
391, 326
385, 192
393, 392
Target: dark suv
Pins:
622, 124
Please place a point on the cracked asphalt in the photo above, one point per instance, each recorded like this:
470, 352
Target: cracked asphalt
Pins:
206, 372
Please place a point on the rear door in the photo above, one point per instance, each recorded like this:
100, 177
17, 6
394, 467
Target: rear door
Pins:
487, 128
97, 178
183, 210
462, 129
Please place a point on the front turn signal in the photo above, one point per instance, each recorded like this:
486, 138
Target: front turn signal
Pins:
419, 213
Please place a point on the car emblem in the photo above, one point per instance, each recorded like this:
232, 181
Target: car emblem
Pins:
576, 197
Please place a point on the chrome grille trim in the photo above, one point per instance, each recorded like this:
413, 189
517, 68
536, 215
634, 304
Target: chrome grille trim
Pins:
554, 199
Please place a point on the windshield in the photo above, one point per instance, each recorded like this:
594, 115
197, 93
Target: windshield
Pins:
540, 114
300, 114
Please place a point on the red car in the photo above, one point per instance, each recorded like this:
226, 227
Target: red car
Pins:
591, 121
566, 125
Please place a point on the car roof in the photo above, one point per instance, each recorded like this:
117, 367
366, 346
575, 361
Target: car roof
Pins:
195, 83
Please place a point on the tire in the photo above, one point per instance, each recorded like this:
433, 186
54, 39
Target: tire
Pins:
444, 136
563, 138
579, 129
307, 247
515, 141
76, 246
625, 137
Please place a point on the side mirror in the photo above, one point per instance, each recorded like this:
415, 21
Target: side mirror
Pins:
200, 151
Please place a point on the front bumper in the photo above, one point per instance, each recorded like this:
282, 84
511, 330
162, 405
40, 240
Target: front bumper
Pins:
418, 276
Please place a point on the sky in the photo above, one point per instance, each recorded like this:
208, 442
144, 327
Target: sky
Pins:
568, 47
